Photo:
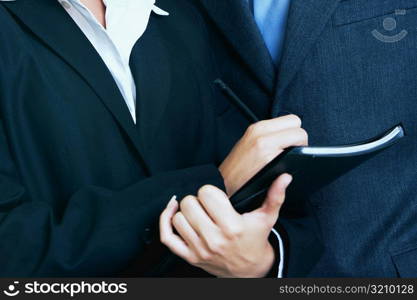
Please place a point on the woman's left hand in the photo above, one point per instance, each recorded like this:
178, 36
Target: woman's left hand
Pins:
214, 237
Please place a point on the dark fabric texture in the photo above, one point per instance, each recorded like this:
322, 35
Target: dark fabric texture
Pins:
347, 86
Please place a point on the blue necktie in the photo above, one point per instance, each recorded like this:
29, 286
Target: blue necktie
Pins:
271, 17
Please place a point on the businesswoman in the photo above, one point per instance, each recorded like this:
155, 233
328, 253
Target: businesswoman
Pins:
106, 113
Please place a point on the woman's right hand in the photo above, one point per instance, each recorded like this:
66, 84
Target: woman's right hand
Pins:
261, 143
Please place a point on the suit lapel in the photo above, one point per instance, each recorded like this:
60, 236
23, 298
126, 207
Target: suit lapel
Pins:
151, 64
306, 21
51, 24
235, 20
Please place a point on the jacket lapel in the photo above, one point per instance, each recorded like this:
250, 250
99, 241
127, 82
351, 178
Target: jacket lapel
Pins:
235, 20
51, 24
306, 21
151, 64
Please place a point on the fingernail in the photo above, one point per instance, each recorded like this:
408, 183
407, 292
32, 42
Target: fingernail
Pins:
172, 202
287, 180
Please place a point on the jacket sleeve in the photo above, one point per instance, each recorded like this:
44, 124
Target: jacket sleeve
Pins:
303, 245
98, 233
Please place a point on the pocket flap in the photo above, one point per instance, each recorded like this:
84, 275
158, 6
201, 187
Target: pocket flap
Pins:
405, 262
351, 11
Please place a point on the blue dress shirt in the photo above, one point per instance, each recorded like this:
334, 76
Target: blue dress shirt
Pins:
271, 17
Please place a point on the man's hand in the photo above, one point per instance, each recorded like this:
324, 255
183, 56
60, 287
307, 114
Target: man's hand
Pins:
214, 237
261, 143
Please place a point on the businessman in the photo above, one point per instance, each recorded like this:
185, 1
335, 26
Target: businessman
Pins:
102, 123
348, 68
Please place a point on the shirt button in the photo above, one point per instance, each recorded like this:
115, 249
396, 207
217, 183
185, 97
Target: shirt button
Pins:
65, 4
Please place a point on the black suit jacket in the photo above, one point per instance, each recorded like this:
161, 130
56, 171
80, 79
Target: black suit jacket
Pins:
82, 186
347, 85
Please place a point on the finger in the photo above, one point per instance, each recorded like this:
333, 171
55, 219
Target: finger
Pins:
270, 146
167, 235
275, 125
186, 232
275, 198
218, 206
289, 138
198, 218
166, 216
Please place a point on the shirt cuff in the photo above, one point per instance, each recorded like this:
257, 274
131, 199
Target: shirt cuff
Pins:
281, 254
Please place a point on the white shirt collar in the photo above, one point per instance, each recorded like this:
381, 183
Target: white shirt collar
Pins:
155, 9
126, 21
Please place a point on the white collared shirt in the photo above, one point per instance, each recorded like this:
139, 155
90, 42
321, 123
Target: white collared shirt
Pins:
126, 21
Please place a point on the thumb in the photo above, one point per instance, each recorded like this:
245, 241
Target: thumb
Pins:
275, 197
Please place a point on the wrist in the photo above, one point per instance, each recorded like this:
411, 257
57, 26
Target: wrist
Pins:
226, 178
266, 262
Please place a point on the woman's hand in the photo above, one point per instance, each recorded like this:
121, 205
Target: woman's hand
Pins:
261, 143
214, 237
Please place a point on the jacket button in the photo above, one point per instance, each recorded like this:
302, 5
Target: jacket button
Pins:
147, 236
